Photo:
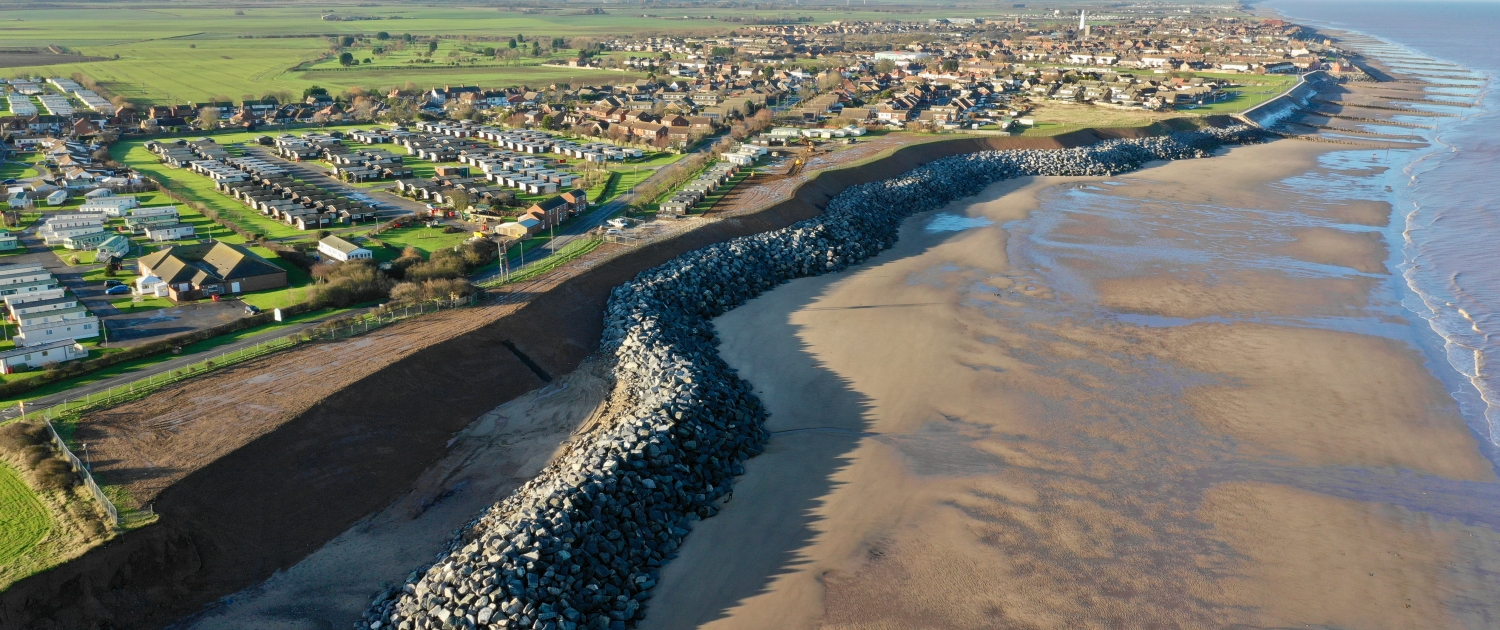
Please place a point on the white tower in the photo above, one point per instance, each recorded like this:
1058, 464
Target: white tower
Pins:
1081, 24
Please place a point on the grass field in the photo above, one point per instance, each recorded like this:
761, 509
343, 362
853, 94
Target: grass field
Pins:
1257, 89
23, 519
19, 168
157, 54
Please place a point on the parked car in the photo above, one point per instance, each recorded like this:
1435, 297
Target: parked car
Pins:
113, 283
118, 290
251, 309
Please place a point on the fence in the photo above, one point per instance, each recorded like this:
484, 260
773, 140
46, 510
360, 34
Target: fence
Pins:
88, 477
329, 331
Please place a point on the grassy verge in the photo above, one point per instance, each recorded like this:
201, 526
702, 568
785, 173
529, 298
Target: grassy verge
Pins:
194, 348
42, 528
23, 518
569, 252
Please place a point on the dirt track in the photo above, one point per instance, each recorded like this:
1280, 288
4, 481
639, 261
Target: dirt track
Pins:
256, 467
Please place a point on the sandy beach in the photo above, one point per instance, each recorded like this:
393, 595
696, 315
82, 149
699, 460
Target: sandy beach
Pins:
1184, 397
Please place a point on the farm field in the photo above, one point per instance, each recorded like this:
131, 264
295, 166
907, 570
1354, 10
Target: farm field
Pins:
180, 54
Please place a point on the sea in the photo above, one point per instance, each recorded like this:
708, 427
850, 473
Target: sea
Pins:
1446, 223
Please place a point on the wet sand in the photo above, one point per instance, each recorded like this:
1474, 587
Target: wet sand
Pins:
1186, 397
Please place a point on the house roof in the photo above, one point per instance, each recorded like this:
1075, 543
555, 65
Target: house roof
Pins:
205, 262
339, 244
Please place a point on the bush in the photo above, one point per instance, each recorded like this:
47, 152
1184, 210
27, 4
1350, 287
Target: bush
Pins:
350, 283
438, 289
55, 474
35, 454
444, 264
17, 436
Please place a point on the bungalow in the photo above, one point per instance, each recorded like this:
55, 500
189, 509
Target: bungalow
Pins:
169, 232
8, 242
57, 198
342, 250
195, 271
41, 355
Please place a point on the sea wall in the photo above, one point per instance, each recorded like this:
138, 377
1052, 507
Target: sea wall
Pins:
581, 545
1275, 111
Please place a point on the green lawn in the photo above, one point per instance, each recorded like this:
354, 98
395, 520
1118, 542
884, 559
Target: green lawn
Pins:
1263, 88
425, 239
23, 518
20, 168
195, 187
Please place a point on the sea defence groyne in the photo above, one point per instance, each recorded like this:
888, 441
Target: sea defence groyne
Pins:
581, 545
1273, 112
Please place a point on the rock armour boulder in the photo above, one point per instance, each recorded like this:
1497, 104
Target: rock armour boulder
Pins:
582, 544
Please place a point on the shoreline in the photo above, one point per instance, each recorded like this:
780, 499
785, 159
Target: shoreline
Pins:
1421, 309
900, 507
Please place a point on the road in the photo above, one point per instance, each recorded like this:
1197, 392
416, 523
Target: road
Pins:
164, 366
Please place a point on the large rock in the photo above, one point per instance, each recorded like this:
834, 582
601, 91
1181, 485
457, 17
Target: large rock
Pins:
581, 545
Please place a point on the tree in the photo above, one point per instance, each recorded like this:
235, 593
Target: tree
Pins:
512, 44
346, 59
950, 65
432, 46
208, 118
461, 200
885, 66
346, 40
382, 36
558, 42
520, 38
314, 91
